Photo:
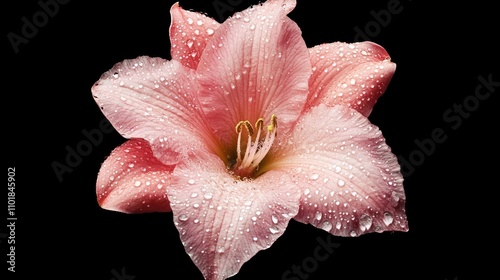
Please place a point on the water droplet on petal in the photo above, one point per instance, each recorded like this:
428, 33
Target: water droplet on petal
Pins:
395, 197
210, 31
194, 195
365, 222
338, 225
275, 219
318, 216
191, 181
137, 183
388, 219
255, 238
326, 225
315, 176
208, 195
183, 218
274, 230
341, 183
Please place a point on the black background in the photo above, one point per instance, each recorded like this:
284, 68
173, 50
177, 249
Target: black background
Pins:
440, 50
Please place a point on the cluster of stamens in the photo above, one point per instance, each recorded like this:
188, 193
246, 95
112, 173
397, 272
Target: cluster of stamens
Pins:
256, 148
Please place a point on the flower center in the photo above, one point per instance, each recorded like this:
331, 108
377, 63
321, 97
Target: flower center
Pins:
247, 162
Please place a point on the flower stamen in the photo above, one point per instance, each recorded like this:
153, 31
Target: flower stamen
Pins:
255, 150
249, 129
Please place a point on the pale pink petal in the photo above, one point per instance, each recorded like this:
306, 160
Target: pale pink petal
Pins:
351, 181
255, 65
132, 180
154, 99
224, 221
355, 75
189, 32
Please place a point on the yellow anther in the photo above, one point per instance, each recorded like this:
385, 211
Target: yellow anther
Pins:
274, 123
249, 127
259, 123
238, 126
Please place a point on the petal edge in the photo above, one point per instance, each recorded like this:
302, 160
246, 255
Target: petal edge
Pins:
132, 180
223, 221
355, 75
189, 33
351, 181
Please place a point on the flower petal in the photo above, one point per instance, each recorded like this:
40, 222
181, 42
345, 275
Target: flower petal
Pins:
223, 221
154, 99
352, 74
351, 182
189, 32
255, 65
132, 180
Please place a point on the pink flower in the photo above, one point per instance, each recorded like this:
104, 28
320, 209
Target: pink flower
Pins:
246, 128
